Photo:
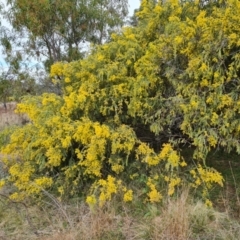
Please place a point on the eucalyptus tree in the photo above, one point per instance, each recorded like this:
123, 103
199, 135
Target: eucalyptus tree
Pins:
58, 30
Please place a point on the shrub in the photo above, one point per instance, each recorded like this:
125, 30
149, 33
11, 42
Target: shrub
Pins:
130, 107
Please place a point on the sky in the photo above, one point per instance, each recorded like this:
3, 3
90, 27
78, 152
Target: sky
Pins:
133, 4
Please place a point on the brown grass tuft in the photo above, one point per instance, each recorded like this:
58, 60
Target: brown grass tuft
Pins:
8, 117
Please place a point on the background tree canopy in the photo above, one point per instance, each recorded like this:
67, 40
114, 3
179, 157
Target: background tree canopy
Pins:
56, 30
131, 106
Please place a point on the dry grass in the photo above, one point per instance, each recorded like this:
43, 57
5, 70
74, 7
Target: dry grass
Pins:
8, 117
178, 219
174, 220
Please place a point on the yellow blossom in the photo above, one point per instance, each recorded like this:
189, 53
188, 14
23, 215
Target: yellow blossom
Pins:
91, 200
208, 203
117, 168
154, 196
128, 196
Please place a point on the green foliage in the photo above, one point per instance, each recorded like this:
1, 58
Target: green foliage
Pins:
4, 89
58, 29
13, 88
173, 79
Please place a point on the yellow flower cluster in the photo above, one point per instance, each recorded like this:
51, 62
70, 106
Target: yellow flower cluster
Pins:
171, 157
107, 188
226, 101
207, 176
57, 69
214, 119
117, 168
91, 200
208, 203
172, 184
151, 158
210, 176
128, 196
2, 183
153, 194
212, 141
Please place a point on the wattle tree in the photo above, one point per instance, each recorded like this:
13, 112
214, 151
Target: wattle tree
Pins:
131, 107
